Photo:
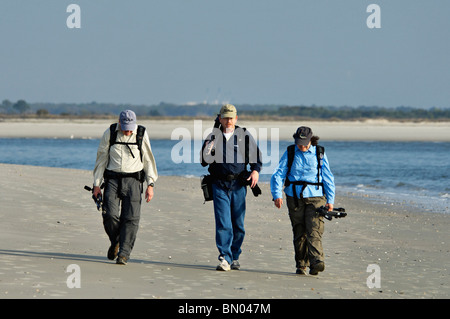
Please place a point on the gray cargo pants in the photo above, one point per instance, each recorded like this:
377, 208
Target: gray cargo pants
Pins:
307, 228
122, 211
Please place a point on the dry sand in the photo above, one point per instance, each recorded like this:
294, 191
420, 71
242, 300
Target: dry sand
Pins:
49, 222
375, 130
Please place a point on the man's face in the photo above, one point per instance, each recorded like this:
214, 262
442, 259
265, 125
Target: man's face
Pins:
228, 123
127, 133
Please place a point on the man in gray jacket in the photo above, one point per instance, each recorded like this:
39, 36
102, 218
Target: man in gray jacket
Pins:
124, 161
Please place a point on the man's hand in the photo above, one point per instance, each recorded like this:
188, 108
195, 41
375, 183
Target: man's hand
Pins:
149, 193
330, 207
209, 146
254, 177
97, 191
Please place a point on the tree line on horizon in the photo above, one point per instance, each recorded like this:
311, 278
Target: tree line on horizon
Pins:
22, 108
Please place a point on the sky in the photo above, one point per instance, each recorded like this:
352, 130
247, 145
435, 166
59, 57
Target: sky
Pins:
290, 52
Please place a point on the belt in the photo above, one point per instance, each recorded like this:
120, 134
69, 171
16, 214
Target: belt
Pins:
227, 177
140, 176
300, 183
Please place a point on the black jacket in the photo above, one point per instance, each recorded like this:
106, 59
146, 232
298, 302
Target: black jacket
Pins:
230, 158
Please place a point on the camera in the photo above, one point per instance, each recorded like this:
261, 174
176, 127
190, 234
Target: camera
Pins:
98, 200
336, 212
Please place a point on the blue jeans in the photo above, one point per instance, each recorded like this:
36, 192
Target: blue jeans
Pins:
229, 212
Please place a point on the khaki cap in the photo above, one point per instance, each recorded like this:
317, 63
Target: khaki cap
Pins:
228, 110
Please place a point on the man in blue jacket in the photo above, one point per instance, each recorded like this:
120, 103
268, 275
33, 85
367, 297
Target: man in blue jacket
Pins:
228, 150
309, 184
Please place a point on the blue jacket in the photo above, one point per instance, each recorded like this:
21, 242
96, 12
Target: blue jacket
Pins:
304, 168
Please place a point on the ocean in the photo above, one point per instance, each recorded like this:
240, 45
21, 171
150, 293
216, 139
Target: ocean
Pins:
415, 174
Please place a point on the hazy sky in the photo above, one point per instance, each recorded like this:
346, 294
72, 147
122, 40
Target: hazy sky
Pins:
271, 52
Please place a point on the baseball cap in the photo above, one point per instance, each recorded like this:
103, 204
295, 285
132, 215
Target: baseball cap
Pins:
303, 135
228, 110
127, 120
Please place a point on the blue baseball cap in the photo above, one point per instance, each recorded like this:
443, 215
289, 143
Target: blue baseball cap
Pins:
127, 120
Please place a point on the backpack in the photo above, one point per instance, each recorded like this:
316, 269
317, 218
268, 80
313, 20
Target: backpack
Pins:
139, 138
245, 153
320, 151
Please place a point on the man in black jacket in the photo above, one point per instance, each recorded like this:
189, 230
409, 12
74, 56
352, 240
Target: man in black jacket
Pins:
228, 150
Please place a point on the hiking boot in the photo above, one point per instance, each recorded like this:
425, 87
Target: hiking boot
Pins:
121, 260
235, 265
224, 265
301, 271
316, 268
113, 251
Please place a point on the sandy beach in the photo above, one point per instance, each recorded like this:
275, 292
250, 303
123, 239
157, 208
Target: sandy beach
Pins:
50, 223
369, 130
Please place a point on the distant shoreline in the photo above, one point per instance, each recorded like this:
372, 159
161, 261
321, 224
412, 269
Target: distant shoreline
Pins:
243, 117
364, 130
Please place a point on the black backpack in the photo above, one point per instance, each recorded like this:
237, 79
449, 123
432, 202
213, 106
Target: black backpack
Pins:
139, 138
244, 154
320, 151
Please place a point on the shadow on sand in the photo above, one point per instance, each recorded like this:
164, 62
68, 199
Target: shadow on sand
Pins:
101, 259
